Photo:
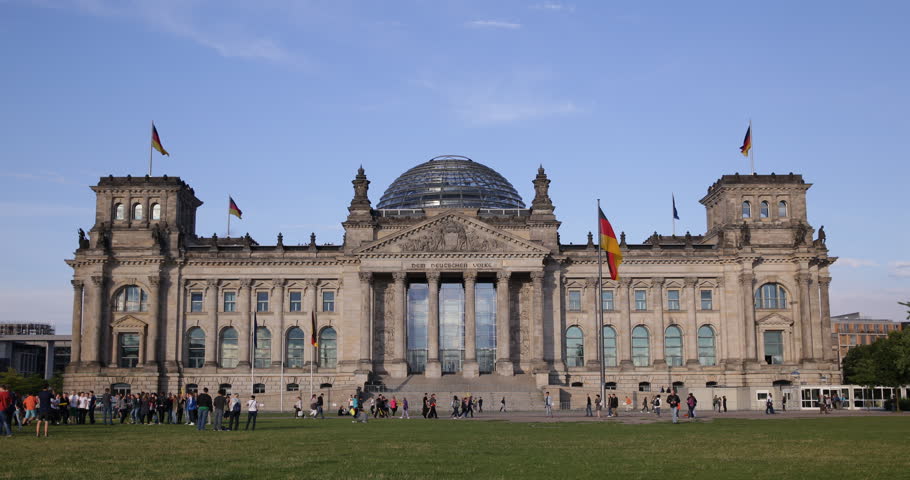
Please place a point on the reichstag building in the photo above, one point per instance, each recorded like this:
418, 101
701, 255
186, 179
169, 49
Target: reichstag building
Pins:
450, 276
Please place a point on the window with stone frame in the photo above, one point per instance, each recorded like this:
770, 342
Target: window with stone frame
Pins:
195, 348
774, 346
328, 300
607, 300
130, 298
119, 212
230, 301
262, 301
641, 299
764, 210
574, 301
747, 209
196, 301
128, 349
782, 210
673, 300
156, 212
258, 388
295, 303
707, 300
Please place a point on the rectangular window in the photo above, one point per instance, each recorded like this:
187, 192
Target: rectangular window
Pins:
230, 301
774, 347
328, 301
574, 300
196, 302
129, 349
607, 300
641, 300
295, 302
707, 300
262, 301
672, 299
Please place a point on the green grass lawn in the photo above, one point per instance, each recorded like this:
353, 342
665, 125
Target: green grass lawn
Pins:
856, 447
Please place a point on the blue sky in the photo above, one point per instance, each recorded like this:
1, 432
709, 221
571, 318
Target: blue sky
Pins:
278, 102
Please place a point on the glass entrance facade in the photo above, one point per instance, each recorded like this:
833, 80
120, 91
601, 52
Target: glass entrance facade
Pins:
418, 314
485, 326
451, 327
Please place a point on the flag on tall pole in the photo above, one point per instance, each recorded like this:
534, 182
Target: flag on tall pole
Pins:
234, 210
609, 244
675, 213
747, 142
156, 144
313, 340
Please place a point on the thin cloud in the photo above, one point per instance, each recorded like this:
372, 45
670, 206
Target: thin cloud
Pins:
554, 7
22, 209
855, 262
49, 177
900, 269
493, 24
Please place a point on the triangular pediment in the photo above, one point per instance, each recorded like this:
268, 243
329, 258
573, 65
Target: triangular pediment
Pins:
775, 319
452, 233
128, 321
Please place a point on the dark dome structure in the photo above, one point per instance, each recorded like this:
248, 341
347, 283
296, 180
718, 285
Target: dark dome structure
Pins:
450, 181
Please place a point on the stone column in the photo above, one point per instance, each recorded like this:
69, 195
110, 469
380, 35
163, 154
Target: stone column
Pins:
657, 297
470, 369
211, 291
94, 329
433, 368
278, 334
151, 343
309, 354
690, 345
365, 364
76, 350
504, 365
537, 323
827, 346
745, 283
624, 340
245, 319
803, 281
400, 325
49, 360
592, 357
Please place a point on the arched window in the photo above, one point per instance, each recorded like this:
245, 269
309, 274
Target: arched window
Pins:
707, 352
230, 348
673, 346
575, 347
641, 354
747, 210
296, 345
763, 210
156, 212
119, 212
137, 211
263, 356
609, 346
130, 298
195, 346
771, 296
781, 208
644, 386
328, 348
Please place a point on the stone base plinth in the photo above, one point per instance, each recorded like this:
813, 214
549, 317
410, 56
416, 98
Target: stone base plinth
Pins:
470, 370
505, 368
433, 369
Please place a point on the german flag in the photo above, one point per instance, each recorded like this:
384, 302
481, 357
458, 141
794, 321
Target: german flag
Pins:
156, 141
313, 331
609, 243
747, 142
233, 209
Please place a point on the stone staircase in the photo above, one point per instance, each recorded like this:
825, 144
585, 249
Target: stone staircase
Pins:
520, 391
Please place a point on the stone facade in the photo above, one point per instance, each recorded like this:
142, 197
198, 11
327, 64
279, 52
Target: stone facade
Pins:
197, 298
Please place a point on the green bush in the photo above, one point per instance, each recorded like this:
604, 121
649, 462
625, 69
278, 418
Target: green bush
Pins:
904, 404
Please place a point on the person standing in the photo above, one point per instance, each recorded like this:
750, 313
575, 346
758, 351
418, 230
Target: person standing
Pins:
588, 411
769, 405
691, 402
432, 403
252, 410
234, 421
502, 404
319, 404
6, 402
298, 407
548, 404
404, 408
106, 408
393, 404
724, 401
615, 405
204, 406
455, 405
91, 407
479, 404
673, 402
598, 404
426, 405
44, 410
657, 405
219, 405
783, 402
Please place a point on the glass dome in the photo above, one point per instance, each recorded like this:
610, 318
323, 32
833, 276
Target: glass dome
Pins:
450, 181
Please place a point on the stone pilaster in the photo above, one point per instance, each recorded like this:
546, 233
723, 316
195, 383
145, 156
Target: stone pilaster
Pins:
93, 329
399, 325
827, 346
624, 342
76, 350
278, 332
657, 297
366, 314
746, 280
211, 336
151, 343
803, 282
537, 322
244, 302
470, 369
433, 367
310, 299
504, 365
592, 341
690, 342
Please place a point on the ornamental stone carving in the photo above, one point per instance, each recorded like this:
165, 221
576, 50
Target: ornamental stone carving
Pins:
503, 276
245, 283
399, 277
449, 236
366, 277
77, 284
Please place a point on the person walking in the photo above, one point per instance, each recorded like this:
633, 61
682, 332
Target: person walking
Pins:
724, 402
252, 410
455, 405
393, 404
769, 405
426, 405
548, 404
691, 402
432, 404
91, 407
404, 408
319, 403
588, 411
479, 404
298, 407
234, 422
219, 404
783, 402
7, 403
609, 405
502, 404
673, 402
44, 410
644, 405
657, 405
598, 404
204, 406
615, 405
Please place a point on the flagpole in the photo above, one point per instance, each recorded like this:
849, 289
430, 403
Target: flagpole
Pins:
253, 353
751, 147
599, 309
229, 216
150, 149
282, 386
674, 214
312, 336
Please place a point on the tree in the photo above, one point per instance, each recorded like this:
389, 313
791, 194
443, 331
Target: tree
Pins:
884, 362
906, 304
22, 384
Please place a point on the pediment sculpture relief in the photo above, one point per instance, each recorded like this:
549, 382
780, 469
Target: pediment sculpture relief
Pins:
449, 236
